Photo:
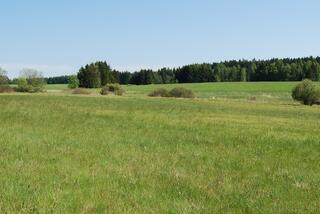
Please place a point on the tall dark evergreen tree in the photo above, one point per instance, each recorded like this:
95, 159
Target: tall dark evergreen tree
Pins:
124, 77
89, 76
96, 75
105, 73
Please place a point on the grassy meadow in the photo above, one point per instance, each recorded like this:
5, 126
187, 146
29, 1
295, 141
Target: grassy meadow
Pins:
223, 152
275, 91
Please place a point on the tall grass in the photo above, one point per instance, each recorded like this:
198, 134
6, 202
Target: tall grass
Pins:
72, 154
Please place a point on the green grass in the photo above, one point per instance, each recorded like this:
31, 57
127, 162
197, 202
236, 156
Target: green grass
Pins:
261, 91
224, 87
56, 86
63, 153
234, 90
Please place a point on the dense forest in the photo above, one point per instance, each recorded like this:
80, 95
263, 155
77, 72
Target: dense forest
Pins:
100, 73
58, 80
48, 80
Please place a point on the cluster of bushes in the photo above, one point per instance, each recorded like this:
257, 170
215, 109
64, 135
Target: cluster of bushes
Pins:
73, 82
30, 81
176, 92
115, 89
6, 89
307, 93
4, 82
80, 91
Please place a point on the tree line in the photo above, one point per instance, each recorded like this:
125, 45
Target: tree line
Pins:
49, 80
99, 73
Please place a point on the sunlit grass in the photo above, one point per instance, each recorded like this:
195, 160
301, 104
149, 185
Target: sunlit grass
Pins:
233, 90
68, 153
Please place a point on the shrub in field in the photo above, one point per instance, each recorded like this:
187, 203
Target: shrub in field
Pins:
30, 81
181, 92
161, 92
112, 88
119, 92
306, 92
252, 98
31, 87
104, 90
4, 82
6, 89
73, 82
80, 91
23, 85
176, 92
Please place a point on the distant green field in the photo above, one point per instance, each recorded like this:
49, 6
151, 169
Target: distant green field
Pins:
275, 90
64, 153
223, 87
56, 86
236, 90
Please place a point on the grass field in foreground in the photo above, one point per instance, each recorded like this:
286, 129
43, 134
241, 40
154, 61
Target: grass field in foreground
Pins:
72, 154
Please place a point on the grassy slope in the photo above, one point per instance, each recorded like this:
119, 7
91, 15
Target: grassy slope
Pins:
136, 154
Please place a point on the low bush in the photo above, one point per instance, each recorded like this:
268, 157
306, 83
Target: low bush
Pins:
80, 91
306, 92
176, 92
119, 92
115, 89
4, 82
73, 82
252, 98
161, 92
30, 81
23, 85
181, 92
104, 90
6, 89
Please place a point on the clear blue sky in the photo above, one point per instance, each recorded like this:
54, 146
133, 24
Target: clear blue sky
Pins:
58, 36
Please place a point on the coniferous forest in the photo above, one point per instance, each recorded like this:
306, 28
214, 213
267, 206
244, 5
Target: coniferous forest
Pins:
100, 73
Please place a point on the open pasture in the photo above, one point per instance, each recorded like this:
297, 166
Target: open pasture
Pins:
263, 91
68, 153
